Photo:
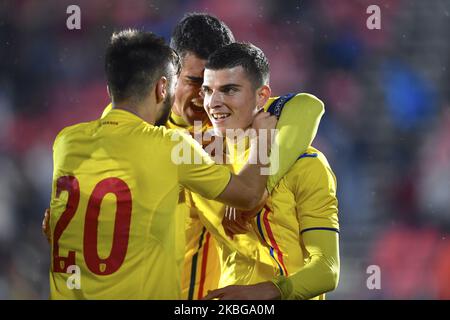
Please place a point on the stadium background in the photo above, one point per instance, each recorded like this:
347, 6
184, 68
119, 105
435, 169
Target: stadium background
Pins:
386, 130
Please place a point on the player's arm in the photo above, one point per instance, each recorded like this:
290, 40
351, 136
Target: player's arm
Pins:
46, 225
299, 119
297, 127
314, 187
243, 191
319, 275
246, 189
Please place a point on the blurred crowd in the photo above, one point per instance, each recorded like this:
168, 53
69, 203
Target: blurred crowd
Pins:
386, 129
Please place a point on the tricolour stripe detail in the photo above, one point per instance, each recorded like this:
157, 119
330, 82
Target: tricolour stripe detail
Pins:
258, 222
204, 263
274, 244
260, 230
194, 266
275, 259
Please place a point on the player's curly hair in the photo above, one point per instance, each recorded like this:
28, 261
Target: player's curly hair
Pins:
201, 34
251, 58
134, 61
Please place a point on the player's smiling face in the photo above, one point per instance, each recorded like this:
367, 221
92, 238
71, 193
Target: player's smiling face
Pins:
188, 103
230, 99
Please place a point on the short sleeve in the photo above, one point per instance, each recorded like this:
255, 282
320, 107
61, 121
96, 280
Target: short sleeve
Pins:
297, 128
315, 191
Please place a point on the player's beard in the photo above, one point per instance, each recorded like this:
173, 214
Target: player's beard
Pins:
165, 112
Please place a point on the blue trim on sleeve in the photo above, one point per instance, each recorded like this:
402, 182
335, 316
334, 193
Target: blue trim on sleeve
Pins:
327, 229
277, 106
308, 155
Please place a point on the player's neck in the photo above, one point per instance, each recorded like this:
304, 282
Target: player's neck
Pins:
142, 110
177, 110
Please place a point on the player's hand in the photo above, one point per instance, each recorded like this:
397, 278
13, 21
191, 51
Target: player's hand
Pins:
263, 125
234, 222
261, 291
46, 225
264, 120
239, 222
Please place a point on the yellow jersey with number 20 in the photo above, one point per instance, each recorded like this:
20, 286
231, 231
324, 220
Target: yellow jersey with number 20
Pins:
115, 190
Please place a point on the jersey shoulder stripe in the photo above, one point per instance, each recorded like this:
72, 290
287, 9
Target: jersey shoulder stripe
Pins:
277, 106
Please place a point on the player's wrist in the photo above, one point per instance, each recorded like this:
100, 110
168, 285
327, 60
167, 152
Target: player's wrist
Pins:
259, 152
284, 286
268, 291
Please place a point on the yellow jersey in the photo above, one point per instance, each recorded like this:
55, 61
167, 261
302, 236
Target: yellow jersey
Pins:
115, 190
245, 260
304, 200
299, 117
201, 271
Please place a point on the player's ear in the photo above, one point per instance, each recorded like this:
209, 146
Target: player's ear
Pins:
109, 91
262, 95
161, 89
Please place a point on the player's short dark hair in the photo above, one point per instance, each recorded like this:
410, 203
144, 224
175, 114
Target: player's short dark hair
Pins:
201, 34
251, 58
134, 61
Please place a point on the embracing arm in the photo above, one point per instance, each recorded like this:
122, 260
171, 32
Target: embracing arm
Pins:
320, 274
297, 128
